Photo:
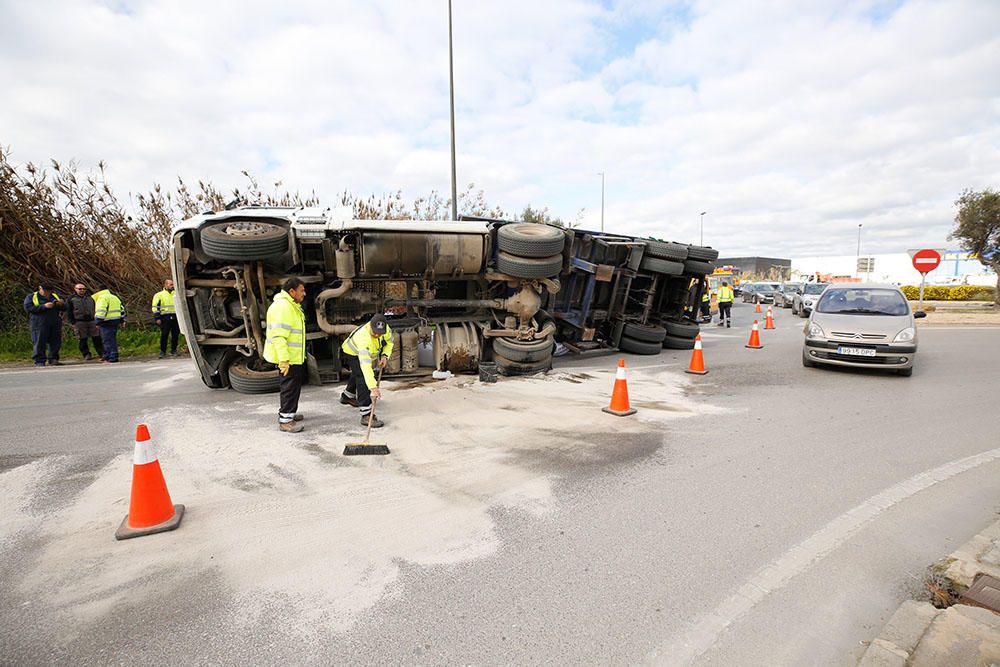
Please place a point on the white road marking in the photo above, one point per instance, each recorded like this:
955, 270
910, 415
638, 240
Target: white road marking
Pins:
701, 636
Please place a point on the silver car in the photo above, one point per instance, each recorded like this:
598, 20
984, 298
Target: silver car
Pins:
863, 326
786, 293
803, 302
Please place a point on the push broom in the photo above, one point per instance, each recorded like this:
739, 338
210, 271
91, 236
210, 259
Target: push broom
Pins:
365, 448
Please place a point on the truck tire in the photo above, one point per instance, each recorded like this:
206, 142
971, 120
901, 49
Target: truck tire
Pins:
244, 240
666, 250
510, 367
530, 239
681, 329
529, 267
634, 346
698, 267
645, 332
665, 266
678, 343
704, 253
246, 380
524, 351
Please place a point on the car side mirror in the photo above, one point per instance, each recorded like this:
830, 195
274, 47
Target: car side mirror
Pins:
918, 314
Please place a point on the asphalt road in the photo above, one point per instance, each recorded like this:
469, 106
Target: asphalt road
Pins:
781, 525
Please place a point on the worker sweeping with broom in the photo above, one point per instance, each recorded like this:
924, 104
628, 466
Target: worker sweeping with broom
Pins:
368, 345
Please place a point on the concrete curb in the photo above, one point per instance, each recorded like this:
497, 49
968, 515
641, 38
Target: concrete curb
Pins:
900, 635
980, 554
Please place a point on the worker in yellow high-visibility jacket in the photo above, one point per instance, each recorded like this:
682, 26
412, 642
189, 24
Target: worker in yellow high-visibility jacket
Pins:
165, 316
368, 345
286, 346
726, 298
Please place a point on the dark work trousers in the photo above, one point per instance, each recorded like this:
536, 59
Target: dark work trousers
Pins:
109, 335
357, 388
725, 312
169, 327
291, 388
85, 330
706, 309
45, 333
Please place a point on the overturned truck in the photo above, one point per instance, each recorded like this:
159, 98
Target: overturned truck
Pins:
456, 293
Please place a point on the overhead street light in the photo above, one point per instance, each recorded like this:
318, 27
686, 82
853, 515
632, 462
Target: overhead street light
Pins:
857, 257
701, 240
451, 92
601, 174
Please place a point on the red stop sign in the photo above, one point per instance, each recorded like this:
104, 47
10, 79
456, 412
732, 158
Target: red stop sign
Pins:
926, 260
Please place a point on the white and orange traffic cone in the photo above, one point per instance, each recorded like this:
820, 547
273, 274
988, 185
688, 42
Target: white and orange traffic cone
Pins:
769, 320
150, 509
697, 366
757, 309
619, 396
754, 343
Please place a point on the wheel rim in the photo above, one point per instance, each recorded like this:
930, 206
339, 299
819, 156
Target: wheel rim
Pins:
246, 229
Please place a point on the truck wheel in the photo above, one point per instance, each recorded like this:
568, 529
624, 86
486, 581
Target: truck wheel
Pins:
510, 367
634, 346
681, 329
244, 240
664, 266
246, 380
675, 251
524, 351
704, 253
678, 343
530, 239
698, 267
529, 267
645, 332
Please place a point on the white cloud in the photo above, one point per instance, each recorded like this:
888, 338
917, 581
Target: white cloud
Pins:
789, 122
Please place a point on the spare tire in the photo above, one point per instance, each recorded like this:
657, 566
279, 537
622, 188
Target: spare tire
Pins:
704, 253
664, 266
681, 329
698, 267
634, 346
525, 267
666, 250
510, 367
678, 343
644, 332
244, 240
524, 351
246, 380
531, 239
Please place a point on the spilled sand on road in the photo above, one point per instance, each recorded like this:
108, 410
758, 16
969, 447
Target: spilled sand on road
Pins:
288, 515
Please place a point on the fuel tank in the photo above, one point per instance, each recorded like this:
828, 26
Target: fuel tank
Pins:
420, 253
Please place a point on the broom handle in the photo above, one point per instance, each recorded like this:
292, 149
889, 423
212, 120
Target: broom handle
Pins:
371, 414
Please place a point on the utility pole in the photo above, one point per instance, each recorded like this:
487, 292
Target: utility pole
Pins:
857, 257
451, 90
701, 240
601, 173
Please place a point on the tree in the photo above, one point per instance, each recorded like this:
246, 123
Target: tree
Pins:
977, 228
540, 215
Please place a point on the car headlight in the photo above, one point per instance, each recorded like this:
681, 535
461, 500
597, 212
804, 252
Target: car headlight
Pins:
905, 336
808, 302
816, 331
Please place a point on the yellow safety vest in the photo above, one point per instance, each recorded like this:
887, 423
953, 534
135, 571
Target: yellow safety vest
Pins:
286, 331
163, 303
706, 297
107, 306
34, 297
367, 349
725, 294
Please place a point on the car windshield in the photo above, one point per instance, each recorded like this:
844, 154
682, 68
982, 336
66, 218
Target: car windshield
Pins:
788, 289
851, 301
766, 289
814, 289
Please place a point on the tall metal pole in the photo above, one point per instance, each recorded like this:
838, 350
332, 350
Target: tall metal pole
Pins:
857, 256
451, 90
701, 240
602, 199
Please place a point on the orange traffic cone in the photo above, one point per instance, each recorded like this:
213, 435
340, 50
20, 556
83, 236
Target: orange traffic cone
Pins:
619, 397
769, 320
754, 342
757, 309
697, 359
150, 510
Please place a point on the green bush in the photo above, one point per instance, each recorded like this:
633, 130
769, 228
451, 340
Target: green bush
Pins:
16, 345
950, 292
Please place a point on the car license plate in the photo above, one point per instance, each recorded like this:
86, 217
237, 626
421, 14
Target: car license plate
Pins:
856, 351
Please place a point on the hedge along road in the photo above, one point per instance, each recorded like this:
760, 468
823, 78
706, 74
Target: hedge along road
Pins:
541, 531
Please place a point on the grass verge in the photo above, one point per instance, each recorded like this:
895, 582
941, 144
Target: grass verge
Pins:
15, 346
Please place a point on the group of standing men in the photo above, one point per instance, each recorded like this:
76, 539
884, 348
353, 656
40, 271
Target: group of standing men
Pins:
95, 318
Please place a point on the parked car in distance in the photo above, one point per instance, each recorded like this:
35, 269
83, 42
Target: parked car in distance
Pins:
758, 293
863, 326
802, 304
783, 296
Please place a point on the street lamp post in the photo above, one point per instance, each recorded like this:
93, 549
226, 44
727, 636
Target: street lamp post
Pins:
701, 240
451, 92
602, 199
857, 257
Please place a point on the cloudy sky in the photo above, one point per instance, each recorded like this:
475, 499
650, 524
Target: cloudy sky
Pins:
789, 122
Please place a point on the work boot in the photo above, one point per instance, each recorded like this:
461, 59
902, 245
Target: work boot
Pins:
55, 363
347, 400
289, 427
162, 356
87, 357
720, 324
376, 422
174, 354
298, 417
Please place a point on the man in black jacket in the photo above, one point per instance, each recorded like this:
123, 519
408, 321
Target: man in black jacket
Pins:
80, 313
44, 308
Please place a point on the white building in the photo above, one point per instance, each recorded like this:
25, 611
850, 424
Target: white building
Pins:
957, 268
